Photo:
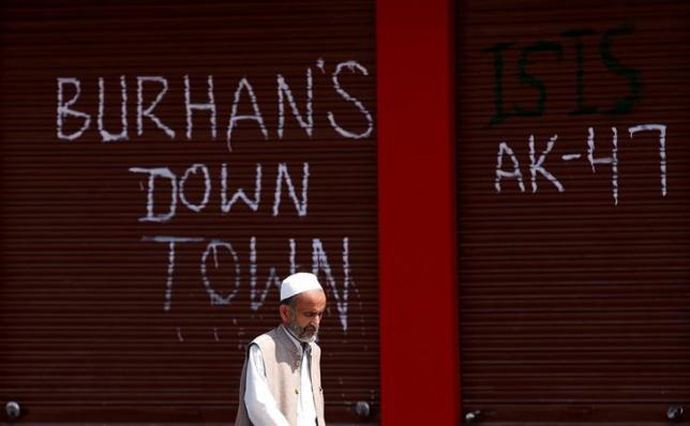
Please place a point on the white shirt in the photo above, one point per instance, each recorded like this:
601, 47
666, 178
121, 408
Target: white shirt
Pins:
262, 408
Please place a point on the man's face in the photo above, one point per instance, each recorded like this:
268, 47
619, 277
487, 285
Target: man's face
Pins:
304, 320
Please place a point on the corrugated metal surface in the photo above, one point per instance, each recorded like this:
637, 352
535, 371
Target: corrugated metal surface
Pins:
574, 292
98, 321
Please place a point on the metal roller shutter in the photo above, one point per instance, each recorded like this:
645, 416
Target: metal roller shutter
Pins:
573, 184
134, 272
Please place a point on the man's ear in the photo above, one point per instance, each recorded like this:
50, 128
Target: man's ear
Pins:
285, 313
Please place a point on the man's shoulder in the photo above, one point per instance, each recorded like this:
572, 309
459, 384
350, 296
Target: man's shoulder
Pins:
268, 338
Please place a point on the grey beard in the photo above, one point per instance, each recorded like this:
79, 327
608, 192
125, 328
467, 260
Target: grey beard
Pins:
297, 331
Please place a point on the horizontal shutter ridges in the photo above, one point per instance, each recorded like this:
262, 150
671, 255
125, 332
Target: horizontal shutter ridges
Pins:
573, 309
83, 322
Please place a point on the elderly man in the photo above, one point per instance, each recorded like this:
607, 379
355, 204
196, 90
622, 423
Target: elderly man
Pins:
281, 377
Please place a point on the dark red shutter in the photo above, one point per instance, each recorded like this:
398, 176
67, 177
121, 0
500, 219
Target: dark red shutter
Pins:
98, 323
574, 305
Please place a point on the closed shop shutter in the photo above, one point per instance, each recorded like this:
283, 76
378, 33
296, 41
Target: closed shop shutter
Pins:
573, 202
151, 202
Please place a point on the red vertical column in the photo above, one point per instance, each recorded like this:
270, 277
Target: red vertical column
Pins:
417, 236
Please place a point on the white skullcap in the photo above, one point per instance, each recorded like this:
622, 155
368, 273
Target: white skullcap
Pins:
298, 283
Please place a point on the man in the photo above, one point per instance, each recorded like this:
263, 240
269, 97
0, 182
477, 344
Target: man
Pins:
281, 377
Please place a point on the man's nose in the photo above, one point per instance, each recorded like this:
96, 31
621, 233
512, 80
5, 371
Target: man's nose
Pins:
316, 319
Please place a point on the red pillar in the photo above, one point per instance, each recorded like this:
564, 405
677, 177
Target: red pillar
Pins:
417, 232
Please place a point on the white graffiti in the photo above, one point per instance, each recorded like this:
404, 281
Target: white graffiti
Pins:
503, 149
107, 136
284, 92
209, 106
662, 148
64, 109
234, 117
612, 160
177, 187
537, 166
226, 205
352, 66
158, 172
148, 112
283, 175
336, 288
244, 94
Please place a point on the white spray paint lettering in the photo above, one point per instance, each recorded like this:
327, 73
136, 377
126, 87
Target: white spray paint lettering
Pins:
66, 109
320, 263
171, 241
226, 205
503, 148
257, 298
612, 160
662, 148
162, 172
207, 187
107, 136
178, 190
284, 92
352, 66
300, 205
148, 112
212, 247
234, 117
537, 165
209, 106
320, 266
